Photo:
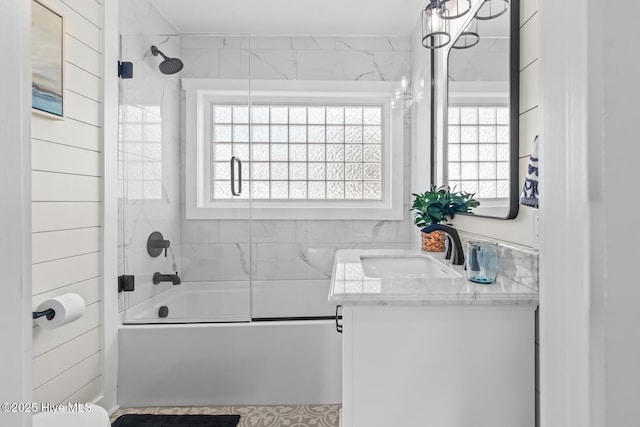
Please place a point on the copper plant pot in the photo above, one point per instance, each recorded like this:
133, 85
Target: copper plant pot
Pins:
434, 241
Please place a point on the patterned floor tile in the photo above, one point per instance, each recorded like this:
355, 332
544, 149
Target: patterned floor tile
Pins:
255, 416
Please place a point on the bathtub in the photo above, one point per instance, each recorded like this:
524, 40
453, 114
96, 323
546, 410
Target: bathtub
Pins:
267, 362
195, 302
235, 301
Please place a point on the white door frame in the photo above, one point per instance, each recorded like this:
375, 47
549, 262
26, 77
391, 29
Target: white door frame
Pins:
589, 289
110, 319
15, 210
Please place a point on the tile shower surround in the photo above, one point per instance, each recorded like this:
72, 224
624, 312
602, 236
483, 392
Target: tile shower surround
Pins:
212, 250
296, 58
288, 249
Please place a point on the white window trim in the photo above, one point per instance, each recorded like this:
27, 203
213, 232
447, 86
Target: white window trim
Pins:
198, 94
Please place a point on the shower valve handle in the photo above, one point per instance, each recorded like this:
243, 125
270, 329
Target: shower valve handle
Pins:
156, 243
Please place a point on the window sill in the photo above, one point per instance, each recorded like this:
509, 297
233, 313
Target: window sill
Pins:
323, 210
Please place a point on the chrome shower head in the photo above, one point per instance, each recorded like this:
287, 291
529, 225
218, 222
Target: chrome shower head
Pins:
168, 65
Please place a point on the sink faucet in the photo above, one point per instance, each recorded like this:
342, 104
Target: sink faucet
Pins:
455, 253
173, 278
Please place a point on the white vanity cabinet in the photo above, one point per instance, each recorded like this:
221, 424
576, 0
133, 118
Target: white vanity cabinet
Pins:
438, 366
434, 353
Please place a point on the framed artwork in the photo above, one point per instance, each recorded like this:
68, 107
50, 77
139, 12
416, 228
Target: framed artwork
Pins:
47, 58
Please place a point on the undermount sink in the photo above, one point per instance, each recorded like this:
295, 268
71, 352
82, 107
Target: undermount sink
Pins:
410, 267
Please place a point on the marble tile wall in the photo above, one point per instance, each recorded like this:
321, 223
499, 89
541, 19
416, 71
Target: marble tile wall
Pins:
296, 58
284, 249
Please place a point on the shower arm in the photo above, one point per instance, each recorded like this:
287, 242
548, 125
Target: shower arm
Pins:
155, 52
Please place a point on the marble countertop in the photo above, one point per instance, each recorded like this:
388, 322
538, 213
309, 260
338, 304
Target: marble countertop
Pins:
351, 286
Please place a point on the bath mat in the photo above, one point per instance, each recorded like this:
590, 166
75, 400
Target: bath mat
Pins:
148, 420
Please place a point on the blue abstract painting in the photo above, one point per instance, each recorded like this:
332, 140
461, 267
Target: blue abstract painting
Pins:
47, 60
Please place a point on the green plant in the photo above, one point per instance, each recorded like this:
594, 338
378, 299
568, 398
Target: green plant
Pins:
440, 205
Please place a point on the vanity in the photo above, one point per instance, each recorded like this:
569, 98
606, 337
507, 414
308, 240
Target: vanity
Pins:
422, 346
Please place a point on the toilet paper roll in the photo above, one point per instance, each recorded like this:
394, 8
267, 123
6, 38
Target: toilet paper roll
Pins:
68, 307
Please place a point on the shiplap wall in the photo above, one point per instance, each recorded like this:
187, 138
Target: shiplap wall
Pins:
521, 229
67, 212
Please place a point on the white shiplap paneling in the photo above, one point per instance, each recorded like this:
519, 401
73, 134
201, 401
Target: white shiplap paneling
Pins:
73, 133
53, 216
67, 196
56, 274
83, 56
81, 108
52, 245
50, 364
52, 187
87, 393
527, 9
77, 25
81, 81
530, 90
89, 10
53, 157
69, 381
529, 42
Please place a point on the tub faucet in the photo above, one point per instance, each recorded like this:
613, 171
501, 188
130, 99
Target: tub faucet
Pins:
455, 250
173, 278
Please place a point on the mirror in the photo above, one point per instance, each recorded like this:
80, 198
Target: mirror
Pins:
475, 101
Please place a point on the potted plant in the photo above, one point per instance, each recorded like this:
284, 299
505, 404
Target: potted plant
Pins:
439, 205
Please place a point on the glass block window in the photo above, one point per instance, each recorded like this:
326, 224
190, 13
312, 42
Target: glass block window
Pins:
478, 144
140, 156
298, 152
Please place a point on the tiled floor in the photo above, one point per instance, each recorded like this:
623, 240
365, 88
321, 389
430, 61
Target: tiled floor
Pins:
256, 416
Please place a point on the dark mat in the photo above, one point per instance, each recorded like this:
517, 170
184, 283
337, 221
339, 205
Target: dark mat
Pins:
148, 420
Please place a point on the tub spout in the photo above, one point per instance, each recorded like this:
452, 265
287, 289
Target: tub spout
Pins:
173, 278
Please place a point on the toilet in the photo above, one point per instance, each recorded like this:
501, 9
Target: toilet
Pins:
96, 417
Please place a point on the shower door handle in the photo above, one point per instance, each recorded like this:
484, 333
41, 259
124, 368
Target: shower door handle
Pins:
235, 160
338, 318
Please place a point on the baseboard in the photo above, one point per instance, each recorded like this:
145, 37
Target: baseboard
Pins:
109, 401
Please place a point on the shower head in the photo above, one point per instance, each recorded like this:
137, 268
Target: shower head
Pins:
168, 65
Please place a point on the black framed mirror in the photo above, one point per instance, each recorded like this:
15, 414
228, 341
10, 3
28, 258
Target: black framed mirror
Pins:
475, 107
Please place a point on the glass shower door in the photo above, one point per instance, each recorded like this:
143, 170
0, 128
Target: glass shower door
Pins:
202, 272
293, 150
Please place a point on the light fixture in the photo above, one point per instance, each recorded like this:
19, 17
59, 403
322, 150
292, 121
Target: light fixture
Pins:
492, 9
435, 25
469, 37
456, 8
402, 93
405, 88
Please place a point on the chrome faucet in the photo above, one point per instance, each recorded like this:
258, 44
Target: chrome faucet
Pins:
173, 278
454, 250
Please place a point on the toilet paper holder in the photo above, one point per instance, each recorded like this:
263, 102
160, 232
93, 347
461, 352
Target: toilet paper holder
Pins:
59, 311
50, 313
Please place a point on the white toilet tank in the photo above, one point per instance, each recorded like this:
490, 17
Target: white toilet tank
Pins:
96, 417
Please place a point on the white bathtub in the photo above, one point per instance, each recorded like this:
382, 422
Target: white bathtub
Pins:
172, 362
196, 302
235, 301
262, 363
